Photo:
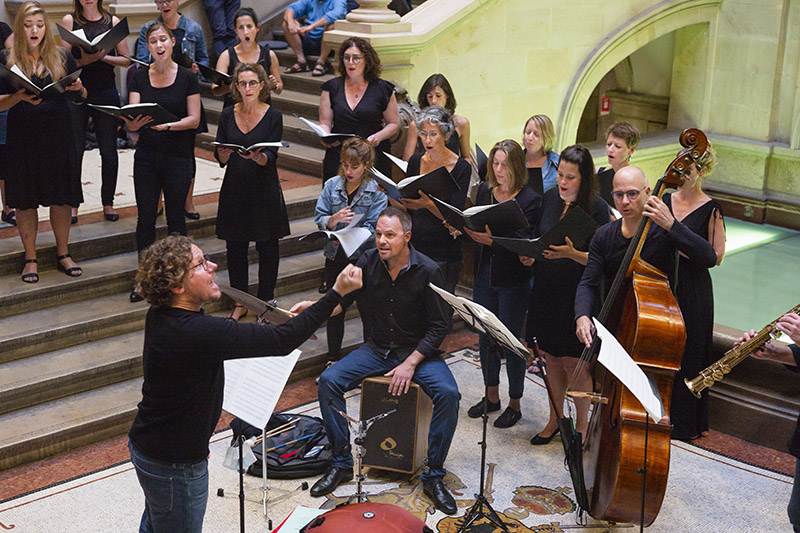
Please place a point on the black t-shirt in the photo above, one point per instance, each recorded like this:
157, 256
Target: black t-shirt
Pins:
97, 75
173, 99
5, 31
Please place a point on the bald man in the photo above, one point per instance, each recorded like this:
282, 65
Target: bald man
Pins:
632, 199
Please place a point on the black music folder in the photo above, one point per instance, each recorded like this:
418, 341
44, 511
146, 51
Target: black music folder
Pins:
214, 76
131, 111
18, 80
107, 41
503, 218
438, 182
576, 225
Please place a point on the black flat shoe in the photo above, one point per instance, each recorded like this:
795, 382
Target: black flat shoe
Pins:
442, 499
508, 418
10, 217
476, 411
192, 216
135, 297
323, 288
31, 277
111, 217
72, 272
73, 220
330, 480
538, 440
230, 317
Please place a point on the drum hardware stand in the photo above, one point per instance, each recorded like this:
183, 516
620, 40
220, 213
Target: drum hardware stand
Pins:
361, 428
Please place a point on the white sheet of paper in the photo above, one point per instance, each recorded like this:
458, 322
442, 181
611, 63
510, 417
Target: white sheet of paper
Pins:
352, 236
299, 518
402, 165
614, 357
253, 386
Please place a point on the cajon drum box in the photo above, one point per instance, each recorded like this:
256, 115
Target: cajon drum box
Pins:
398, 442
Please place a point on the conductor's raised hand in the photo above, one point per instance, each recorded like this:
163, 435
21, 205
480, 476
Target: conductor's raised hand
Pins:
348, 280
584, 329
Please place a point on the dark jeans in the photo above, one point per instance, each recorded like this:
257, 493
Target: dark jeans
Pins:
335, 327
105, 127
509, 304
152, 173
220, 15
268, 258
431, 374
175, 495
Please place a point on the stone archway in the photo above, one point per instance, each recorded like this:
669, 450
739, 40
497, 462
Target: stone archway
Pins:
659, 20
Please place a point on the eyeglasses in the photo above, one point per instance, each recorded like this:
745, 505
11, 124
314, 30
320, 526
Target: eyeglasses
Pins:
425, 134
162, 2
245, 84
205, 263
632, 194
352, 59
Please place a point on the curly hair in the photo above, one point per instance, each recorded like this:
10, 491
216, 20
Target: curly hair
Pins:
259, 71
434, 81
164, 267
438, 116
357, 150
515, 160
372, 65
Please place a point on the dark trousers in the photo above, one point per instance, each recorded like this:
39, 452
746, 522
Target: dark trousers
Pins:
105, 128
220, 15
268, 258
335, 327
152, 173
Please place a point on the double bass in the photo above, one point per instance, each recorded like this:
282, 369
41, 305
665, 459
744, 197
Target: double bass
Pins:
641, 311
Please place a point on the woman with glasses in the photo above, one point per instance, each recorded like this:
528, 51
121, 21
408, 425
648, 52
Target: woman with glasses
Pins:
251, 205
358, 102
164, 158
503, 284
41, 165
247, 50
100, 80
695, 295
435, 126
555, 279
437, 91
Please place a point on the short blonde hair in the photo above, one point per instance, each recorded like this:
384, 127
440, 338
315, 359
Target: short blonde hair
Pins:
545, 126
515, 159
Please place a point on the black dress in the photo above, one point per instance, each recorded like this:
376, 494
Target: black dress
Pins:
251, 205
44, 168
552, 304
264, 60
695, 297
363, 120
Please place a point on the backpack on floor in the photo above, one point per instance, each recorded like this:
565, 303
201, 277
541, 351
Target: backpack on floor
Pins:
309, 456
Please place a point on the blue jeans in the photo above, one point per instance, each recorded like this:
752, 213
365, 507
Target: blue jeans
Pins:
152, 173
175, 494
432, 375
509, 304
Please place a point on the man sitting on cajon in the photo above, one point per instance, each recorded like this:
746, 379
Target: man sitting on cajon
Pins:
404, 324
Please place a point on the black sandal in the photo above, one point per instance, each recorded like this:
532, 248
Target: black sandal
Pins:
10, 217
31, 277
72, 272
240, 316
320, 69
297, 68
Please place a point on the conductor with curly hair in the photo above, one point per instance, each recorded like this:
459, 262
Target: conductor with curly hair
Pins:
183, 355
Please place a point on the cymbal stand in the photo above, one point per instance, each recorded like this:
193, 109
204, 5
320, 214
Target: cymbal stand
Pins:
361, 428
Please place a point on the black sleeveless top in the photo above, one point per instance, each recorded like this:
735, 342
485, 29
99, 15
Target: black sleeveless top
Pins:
97, 75
264, 60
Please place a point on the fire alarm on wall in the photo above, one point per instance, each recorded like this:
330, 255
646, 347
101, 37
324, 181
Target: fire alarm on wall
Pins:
605, 105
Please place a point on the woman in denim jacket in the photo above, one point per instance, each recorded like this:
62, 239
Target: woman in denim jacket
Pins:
352, 192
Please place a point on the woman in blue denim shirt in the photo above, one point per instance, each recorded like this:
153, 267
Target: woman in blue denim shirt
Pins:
351, 193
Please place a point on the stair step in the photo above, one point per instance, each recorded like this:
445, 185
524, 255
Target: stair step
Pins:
70, 324
113, 274
60, 425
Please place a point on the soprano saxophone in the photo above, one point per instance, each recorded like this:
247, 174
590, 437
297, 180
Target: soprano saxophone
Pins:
734, 356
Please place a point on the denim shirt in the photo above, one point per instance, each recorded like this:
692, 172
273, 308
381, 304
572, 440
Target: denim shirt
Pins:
313, 10
368, 201
193, 43
550, 170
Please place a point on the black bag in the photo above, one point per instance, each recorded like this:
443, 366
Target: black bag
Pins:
310, 456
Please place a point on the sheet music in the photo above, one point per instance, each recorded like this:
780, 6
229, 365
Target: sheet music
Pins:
402, 165
614, 357
253, 386
489, 323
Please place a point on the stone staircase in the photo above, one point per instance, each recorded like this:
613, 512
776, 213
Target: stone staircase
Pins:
70, 349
